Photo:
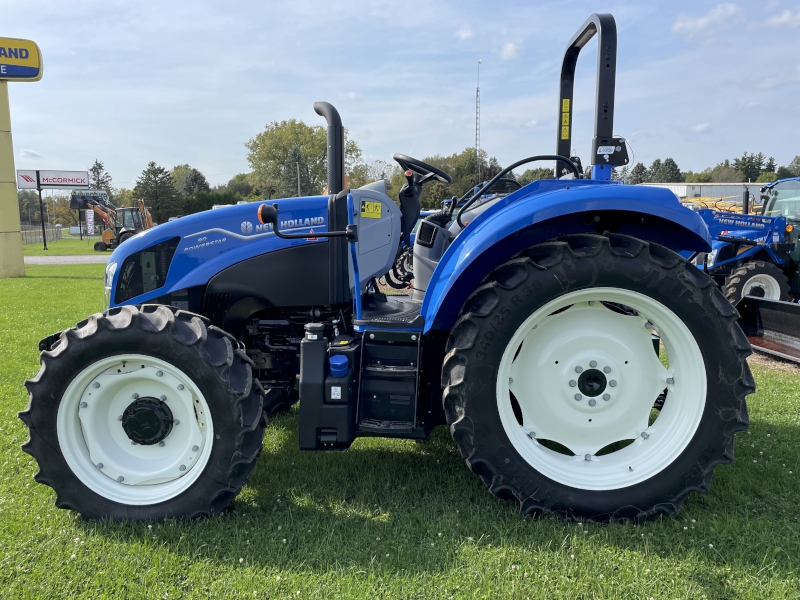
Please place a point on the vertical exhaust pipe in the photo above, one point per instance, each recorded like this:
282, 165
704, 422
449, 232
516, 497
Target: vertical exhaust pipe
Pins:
335, 145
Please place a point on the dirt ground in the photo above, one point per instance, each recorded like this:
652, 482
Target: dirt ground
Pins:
774, 364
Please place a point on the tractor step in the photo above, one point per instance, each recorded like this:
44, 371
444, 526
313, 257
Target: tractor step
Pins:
771, 326
390, 312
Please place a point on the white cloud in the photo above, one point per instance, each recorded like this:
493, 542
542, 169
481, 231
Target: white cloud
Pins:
713, 20
510, 50
348, 96
25, 153
700, 127
531, 123
464, 34
786, 19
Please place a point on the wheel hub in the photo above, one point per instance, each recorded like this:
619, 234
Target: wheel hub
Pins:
592, 383
147, 421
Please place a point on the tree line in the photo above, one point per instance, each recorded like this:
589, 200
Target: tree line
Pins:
289, 158
750, 167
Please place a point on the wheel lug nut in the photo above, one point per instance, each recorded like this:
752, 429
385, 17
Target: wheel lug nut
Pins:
592, 402
159, 373
578, 369
572, 383
587, 457
670, 380
95, 385
578, 397
119, 418
177, 422
133, 443
510, 380
135, 396
645, 435
180, 386
162, 444
182, 468
612, 383
593, 364
120, 479
606, 397
99, 465
606, 369
195, 448
648, 325
163, 398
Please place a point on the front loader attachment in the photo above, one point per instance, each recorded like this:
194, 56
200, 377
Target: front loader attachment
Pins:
771, 326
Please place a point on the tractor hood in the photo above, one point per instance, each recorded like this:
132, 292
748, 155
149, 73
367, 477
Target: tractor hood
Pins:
190, 250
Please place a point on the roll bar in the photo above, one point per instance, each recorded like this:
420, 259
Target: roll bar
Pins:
607, 151
335, 145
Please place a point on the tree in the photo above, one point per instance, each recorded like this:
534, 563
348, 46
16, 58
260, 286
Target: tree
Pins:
530, 175
363, 173
240, 185
725, 172
638, 174
188, 180
702, 177
99, 179
767, 177
268, 151
295, 178
205, 200
669, 172
157, 188
790, 170
654, 171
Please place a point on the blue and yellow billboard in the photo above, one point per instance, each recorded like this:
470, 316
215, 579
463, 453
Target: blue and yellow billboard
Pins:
20, 60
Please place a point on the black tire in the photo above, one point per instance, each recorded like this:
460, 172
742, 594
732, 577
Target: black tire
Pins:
279, 401
209, 356
544, 272
100, 246
735, 283
125, 236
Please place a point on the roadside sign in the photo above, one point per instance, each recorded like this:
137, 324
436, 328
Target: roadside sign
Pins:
89, 222
61, 180
79, 199
20, 60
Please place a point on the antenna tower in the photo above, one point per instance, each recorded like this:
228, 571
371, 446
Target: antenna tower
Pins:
478, 128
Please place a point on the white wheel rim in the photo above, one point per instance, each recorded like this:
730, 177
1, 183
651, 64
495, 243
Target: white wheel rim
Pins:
90, 433
767, 283
585, 331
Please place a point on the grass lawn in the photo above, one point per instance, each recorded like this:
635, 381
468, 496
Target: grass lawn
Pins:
66, 246
387, 518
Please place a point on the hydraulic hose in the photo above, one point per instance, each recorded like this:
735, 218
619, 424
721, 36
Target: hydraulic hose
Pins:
509, 168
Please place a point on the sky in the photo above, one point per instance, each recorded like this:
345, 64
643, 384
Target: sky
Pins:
190, 82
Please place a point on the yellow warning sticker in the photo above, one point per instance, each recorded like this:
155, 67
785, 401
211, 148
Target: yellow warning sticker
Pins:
371, 210
565, 118
565, 105
565, 133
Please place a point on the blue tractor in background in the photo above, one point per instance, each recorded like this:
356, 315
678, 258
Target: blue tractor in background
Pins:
528, 331
757, 253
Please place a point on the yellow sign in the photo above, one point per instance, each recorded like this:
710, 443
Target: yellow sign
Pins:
565, 119
371, 210
20, 60
565, 105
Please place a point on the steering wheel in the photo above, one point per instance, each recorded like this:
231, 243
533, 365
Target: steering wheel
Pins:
421, 168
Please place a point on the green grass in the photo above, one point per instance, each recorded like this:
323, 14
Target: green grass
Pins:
387, 518
66, 246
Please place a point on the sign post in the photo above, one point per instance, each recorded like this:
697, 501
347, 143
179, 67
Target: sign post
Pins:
20, 60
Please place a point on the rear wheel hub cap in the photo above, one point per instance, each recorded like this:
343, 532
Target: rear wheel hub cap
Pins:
147, 421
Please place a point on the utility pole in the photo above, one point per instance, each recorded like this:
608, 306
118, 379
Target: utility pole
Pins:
478, 127
298, 179
41, 209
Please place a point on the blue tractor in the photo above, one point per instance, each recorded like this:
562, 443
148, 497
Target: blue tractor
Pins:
528, 332
758, 253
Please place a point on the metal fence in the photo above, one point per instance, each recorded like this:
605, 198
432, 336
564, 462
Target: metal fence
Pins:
32, 234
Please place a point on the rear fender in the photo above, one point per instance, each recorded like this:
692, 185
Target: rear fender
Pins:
551, 209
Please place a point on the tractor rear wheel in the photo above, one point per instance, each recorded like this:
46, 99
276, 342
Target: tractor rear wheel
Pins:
144, 414
756, 278
100, 246
551, 379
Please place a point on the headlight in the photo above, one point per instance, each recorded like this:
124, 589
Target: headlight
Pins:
108, 279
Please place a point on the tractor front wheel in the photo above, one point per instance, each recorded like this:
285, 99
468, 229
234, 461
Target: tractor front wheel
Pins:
100, 246
756, 278
144, 414
551, 379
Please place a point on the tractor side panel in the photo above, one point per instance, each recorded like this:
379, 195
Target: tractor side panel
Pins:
651, 214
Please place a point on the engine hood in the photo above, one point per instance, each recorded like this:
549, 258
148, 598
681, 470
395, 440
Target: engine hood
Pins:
213, 240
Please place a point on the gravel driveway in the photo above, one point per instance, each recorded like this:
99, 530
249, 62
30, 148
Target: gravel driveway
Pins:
66, 260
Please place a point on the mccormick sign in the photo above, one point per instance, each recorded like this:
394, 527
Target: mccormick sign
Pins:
20, 60
62, 180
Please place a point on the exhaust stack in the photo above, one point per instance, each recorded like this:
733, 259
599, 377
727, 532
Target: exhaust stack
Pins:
335, 145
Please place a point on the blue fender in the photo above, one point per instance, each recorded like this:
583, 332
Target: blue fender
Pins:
213, 240
507, 228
